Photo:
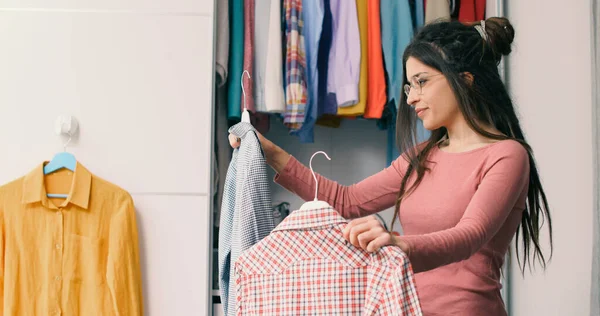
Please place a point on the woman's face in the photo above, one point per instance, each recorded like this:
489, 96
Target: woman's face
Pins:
430, 95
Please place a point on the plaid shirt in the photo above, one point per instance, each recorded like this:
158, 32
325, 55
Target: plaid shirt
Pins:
246, 213
306, 267
296, 92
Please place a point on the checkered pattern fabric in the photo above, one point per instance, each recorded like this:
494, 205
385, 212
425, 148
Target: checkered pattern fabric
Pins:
246, 214
296, 92
306, 267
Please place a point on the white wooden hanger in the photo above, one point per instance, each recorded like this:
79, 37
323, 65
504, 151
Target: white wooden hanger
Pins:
315, 204
245, 113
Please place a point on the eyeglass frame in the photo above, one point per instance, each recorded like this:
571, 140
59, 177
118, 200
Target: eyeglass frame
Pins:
408, 87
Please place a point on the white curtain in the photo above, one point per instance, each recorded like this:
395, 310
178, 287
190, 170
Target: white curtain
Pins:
595, 289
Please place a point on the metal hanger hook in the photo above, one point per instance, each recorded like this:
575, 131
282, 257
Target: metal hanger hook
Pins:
313, 172
242, 84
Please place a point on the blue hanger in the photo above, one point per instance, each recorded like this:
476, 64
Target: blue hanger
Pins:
59, 161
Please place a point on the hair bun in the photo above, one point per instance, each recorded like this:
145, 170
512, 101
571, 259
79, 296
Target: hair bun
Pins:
500, 35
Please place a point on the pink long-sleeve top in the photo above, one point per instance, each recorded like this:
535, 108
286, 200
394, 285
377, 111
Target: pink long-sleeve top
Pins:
458, 222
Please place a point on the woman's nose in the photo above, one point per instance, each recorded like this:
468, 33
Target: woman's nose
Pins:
412, 98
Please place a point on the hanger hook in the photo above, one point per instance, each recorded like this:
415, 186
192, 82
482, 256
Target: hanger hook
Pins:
313, 172
242, 84
68, 141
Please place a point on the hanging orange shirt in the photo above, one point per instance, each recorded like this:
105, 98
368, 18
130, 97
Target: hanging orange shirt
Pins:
376, 94
73, 256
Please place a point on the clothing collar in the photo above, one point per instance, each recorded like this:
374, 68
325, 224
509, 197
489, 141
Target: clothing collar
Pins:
311, 218
35, 191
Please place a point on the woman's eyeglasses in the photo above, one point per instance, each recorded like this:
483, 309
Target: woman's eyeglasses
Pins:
417, 83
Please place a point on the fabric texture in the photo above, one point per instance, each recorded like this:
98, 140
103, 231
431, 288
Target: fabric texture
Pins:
222, 53
236, 58
396, 33
325, 107
268, 58
471, 10
437, 10
376, 91
313, 12
248, 81
70, 256
306, 267
296, 91
259, 120
458, 222
358, 108
344, 55
246, 214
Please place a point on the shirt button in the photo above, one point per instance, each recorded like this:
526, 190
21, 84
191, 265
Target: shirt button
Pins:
58, 246
57, 278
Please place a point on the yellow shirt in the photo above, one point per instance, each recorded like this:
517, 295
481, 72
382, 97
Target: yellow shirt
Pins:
74, 256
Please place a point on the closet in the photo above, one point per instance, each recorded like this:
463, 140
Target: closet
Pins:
358, 149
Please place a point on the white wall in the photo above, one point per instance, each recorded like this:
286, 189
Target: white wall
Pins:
550, 79
138, 76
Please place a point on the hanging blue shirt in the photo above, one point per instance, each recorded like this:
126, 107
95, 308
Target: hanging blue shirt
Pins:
396, 33
313, 12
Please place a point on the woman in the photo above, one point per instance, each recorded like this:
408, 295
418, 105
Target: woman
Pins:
462, 195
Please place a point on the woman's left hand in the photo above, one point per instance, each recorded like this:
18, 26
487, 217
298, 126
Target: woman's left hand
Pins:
369, 234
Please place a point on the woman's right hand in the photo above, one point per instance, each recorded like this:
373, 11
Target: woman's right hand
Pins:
276, 157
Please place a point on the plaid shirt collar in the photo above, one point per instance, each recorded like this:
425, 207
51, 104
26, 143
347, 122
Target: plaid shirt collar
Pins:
310, 218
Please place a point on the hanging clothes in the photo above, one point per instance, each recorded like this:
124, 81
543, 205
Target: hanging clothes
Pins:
306, 267
437, 10
259, 120
248, 56
246, 216
418, 10
396, 33
296, 92
222, 51
325, 107
236, 59
344, 56
268, 58
471, 10
376, 92
454, 9
313, 13
397, 29
358, 109
69, 255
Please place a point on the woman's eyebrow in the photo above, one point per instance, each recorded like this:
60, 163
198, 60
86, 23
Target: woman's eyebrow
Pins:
419, 73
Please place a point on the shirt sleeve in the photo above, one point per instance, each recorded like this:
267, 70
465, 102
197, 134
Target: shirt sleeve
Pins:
123, 273
371, 195
496, 196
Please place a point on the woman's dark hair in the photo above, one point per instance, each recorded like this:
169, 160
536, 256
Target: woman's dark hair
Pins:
456, 48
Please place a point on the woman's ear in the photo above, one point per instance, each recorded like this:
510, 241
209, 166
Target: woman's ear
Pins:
468, 77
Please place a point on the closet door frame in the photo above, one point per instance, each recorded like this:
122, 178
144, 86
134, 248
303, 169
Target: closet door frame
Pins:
595, 45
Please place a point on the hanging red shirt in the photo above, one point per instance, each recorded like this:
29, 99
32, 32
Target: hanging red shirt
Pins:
471, 10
